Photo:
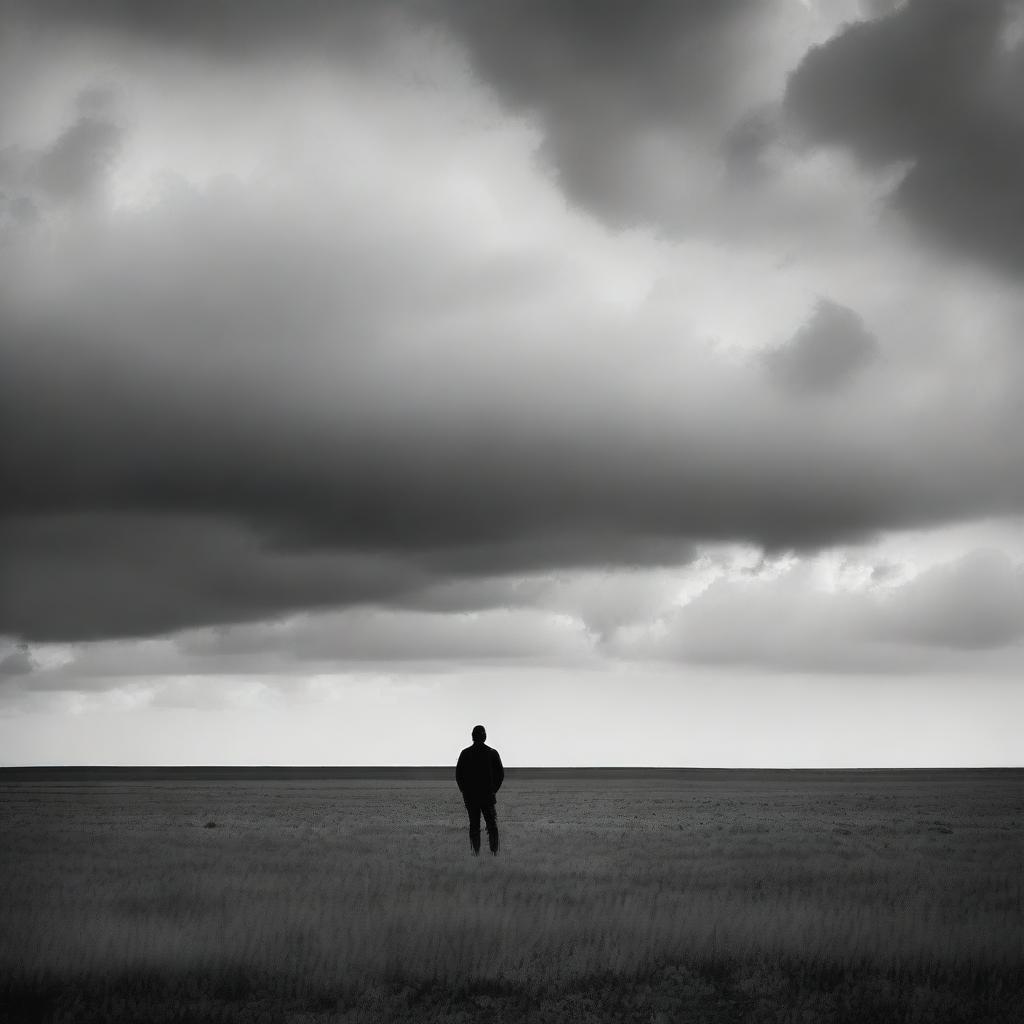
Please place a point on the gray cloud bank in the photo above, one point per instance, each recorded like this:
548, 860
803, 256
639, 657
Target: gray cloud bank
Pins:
969, 611
937, 85
965, 614
170, 462
252, 397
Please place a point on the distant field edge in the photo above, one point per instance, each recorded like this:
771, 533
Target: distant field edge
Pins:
428, 773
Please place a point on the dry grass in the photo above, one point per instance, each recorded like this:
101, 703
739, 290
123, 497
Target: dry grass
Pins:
817, 898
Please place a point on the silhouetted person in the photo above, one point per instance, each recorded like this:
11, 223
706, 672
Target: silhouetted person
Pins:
479, 774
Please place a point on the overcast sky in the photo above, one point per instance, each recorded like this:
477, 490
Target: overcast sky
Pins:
643, 380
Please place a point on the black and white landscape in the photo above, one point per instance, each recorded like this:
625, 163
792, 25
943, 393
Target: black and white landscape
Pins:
642, 379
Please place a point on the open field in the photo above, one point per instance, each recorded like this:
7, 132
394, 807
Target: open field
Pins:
691, 896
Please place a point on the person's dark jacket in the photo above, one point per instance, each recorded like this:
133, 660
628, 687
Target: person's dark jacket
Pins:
479, 773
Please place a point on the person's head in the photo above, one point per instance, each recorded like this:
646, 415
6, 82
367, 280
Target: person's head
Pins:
479, 734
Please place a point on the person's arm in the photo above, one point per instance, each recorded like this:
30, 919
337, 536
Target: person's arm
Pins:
460, 772
499, 771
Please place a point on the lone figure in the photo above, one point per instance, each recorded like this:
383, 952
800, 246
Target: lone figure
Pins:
479, 774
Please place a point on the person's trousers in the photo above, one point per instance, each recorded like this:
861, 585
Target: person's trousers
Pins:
487, 808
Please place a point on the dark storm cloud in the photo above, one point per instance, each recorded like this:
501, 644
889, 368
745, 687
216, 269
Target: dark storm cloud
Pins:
327, 385
829, 350
613, 87
938, 85
167, 462
658, 54
226, 28
604, 77
86, 575
78, 576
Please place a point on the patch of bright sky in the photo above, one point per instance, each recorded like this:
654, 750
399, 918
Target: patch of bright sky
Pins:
627, 715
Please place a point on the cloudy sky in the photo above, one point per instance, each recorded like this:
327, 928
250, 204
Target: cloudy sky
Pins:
644, 380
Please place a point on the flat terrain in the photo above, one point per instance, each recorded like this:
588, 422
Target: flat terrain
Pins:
655, 897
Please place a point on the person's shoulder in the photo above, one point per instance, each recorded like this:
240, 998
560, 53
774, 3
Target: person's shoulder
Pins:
466, 750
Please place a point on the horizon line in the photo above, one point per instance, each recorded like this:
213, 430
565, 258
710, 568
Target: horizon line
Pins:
525, 767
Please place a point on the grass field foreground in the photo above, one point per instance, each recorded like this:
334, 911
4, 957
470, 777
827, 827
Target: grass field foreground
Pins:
803, 897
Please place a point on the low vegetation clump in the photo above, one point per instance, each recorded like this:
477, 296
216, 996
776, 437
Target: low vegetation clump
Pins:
846, 898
